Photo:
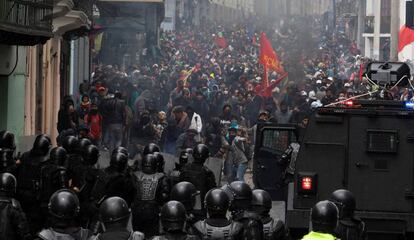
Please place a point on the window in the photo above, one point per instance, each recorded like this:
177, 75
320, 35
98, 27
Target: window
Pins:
277, 140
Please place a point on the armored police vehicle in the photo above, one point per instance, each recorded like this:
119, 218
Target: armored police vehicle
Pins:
366, 146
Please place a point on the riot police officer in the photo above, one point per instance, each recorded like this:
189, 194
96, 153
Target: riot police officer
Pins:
153, 191
7, 148
90, 174
217, 226
63, 209
115, 214
110, 182
74, 159
173, 218
324, 219
273, 229
114, 181
53, 176
14, 224
28, 181
241, 199
185, 193
349, 227
199, 175
150, 149
176, 172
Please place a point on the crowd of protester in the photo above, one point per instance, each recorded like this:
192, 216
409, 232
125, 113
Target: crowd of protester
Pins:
198, 99
201, 91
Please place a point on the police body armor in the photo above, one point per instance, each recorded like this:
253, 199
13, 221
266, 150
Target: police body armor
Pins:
52, 178
228, 232
6, 226
148, 185
28, 179
133, 236
351, 229
184, 237
49, 234
272, 227
252, 225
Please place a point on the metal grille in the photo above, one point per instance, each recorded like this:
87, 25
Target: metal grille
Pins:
275, 140
382, 141
30, 14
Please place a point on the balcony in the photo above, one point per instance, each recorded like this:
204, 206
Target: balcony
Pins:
25, 22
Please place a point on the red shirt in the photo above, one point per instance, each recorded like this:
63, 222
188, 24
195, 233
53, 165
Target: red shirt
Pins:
95, 124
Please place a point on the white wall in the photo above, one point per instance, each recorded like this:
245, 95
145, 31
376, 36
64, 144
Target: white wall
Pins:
170, 8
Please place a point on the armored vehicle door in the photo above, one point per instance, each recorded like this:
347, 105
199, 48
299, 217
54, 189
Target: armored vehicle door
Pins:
381, 163
268, 170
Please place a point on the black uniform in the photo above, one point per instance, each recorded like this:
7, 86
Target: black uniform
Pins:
173, 218
64, 234
63, 208
153, 191
7, 148
114, 213
217, 226
176, 172
28, 182
240, 208
13, 222
351, 229
53, 176
273, 229
199, 175
219, 229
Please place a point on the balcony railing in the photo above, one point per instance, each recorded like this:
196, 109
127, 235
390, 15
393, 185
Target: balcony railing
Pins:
26, 16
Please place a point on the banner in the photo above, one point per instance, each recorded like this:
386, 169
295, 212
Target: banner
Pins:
268, 56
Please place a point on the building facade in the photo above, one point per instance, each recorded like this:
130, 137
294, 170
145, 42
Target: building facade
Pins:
35, 68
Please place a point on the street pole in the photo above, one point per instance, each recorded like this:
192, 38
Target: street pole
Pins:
395, 27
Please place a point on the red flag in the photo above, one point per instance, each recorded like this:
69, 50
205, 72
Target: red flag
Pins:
265, 89
406, 37
221, 42
268, 56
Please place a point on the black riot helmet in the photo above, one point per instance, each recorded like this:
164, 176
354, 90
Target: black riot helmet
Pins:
41, 145
324, 217
90, 155
185, 193
173, 216
241, 195
217, 203
119, 161
345, 201
149, 164
71, 144
261, 201
8, 184
64, 205
150, 149
7, 141
114, 210
200, 153
58, 155
160, 162
120, 149
83, 143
